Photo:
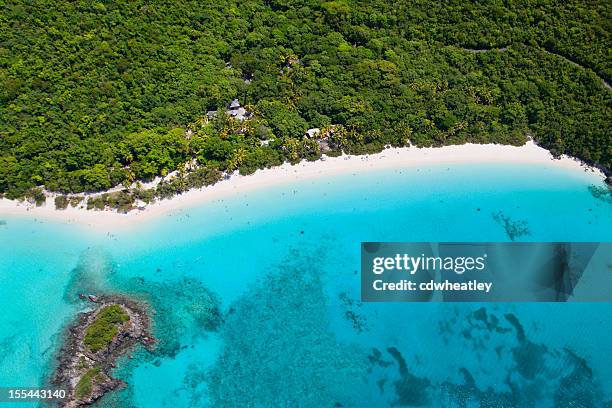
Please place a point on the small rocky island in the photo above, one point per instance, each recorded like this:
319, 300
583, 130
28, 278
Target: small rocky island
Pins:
93, 344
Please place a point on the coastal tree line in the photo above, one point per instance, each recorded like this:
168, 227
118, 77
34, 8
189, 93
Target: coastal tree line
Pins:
101, 94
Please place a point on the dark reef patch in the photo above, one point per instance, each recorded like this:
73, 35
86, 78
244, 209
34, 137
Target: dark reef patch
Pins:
603, 193
514, 228
376, 358
351, 312
410, 389
489, 321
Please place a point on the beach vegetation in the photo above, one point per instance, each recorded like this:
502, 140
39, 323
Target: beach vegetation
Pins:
104, 328
75, 200
85, 385
36, 195
61, 202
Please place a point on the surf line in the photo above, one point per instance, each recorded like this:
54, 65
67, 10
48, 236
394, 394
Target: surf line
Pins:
408, 285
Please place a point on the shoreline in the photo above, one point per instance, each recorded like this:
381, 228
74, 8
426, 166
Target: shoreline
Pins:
392, 158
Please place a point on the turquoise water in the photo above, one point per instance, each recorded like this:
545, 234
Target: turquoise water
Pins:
257, 296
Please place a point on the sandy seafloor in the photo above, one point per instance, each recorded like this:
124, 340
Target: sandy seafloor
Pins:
257, 293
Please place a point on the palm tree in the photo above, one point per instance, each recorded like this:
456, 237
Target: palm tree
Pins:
237, 159
252, 109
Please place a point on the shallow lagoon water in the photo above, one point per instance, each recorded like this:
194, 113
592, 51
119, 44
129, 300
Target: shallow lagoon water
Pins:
257, 295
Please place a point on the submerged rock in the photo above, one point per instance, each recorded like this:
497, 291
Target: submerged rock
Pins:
603, 193
514, 228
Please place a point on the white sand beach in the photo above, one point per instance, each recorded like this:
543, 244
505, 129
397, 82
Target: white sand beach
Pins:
393, 158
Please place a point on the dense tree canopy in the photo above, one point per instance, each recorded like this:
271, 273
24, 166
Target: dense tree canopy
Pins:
96, 94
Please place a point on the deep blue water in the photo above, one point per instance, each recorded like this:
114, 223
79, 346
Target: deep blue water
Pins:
257, 296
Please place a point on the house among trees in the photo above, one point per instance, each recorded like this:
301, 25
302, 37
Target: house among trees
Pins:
238, 111
234, 110
320, 137
311, 133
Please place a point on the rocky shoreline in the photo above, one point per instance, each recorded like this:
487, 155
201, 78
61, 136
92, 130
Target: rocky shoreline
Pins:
93, 344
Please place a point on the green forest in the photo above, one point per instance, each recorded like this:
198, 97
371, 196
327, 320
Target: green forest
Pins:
101, 94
